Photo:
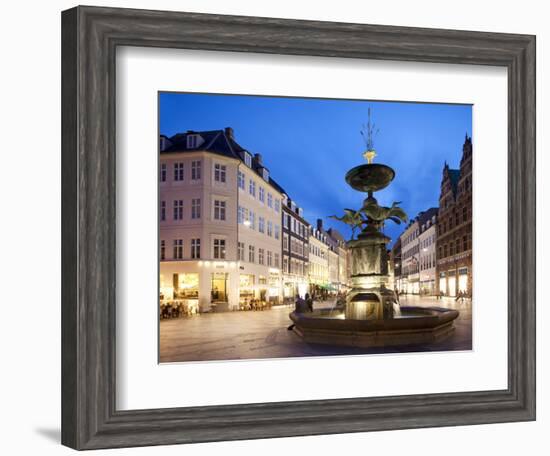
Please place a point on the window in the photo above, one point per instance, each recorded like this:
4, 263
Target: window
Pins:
269, 258
464, 213
240, 251
219, 210
285, 264
277, 205
248, 159
465, 242
261, 194
251, 253
265, 174
277, 231
220, 172
178, 209
196, 208
163, 170
285, 220
252, 187
261, 225
241, 214
457, 221
192, 141
196, 166
252, 220
240, 180
260, 256
162, 249
285, 241
219, 249
163, 211
269, 200
195, 248
270, 228
178, 171
178, 249
276, 260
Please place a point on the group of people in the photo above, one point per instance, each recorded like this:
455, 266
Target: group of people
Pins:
460, 296
305, 304
302, 305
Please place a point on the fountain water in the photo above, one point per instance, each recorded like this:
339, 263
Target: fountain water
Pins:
396, 309
371, 306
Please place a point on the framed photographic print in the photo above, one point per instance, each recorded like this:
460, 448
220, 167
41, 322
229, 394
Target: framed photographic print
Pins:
281, 228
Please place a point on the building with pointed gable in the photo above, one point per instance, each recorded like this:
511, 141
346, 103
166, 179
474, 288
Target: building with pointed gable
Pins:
454, 227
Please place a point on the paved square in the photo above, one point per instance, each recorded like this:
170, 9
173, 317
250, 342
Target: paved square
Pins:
264, 334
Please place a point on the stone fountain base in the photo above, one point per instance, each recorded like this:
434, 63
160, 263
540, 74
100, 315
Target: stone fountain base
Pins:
417, 325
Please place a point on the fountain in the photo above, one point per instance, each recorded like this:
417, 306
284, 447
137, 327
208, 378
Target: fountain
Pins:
372, 316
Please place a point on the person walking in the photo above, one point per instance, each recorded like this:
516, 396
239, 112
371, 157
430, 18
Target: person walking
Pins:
309, 302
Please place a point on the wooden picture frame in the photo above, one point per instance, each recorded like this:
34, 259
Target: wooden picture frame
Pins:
90, 37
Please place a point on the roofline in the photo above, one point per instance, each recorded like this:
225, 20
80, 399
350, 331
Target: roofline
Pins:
241, 163
199, 151
300, 218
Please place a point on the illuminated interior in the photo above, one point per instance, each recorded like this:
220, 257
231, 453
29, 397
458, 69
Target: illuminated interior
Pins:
246, 287
186, 286
219, 287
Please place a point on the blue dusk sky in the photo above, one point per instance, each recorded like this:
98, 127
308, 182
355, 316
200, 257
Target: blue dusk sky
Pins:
309, 144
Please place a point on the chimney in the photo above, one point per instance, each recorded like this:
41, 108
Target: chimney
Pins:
258, 158
320, 224
229, 132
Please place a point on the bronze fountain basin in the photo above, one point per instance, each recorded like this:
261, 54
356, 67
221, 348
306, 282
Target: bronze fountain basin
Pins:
370, 177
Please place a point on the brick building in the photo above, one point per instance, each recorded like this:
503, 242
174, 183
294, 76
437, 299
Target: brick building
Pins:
454, 227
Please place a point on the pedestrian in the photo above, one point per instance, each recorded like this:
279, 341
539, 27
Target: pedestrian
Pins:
300, 306
396, 291
309, 302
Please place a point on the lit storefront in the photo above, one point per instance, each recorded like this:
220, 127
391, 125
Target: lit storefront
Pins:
183, 288
451, 283
262, 287
218, 285
448, 283
246, 288
463, 280
274, 286
186, 286
293, 286
413, 286
442, 283
427, 287
427, 284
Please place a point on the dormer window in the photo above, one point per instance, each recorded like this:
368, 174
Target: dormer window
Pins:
192, 141
248, 159
265, 174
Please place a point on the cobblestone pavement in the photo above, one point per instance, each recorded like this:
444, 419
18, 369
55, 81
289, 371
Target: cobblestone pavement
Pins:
264, 334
